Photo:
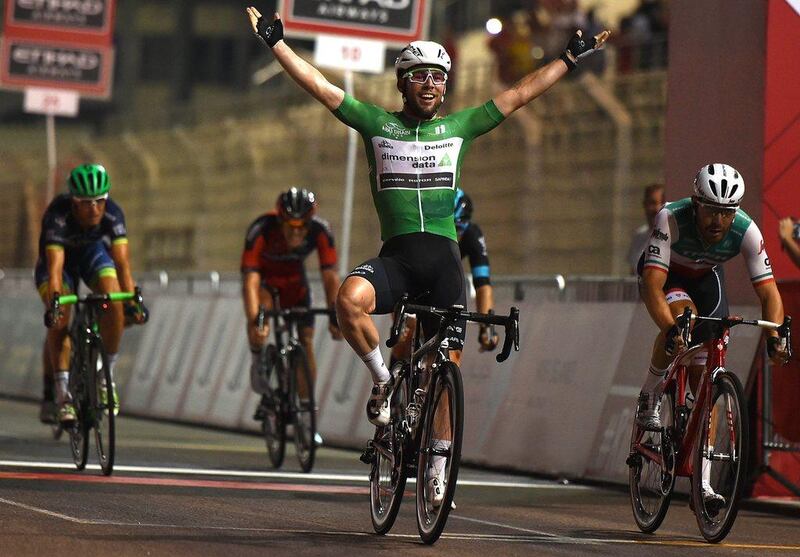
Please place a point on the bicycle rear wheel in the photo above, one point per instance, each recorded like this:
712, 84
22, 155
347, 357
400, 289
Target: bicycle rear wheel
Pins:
302, 402
387, 478
104, 407
722, 445
651, 469
443, 418
274, 424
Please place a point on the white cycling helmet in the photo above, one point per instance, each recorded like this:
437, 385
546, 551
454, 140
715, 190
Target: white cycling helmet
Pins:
719, 184
422, 53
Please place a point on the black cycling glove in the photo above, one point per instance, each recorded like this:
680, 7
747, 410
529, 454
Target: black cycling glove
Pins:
672, 335
577, 48
775, 344
270, 33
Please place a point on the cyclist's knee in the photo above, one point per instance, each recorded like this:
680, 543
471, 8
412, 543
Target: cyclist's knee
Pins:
356, 298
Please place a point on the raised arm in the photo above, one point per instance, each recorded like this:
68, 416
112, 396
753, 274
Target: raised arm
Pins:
304, 74
539, 81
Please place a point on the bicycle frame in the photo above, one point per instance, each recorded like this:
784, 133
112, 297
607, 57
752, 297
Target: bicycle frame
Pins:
677, 379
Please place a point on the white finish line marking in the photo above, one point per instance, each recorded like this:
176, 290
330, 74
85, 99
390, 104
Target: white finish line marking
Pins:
537, 538
272, 475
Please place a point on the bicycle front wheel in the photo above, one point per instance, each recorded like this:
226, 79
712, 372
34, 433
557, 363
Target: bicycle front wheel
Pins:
273, 425
438, 460
105, 407
720, 460
651, 469
79, 431
387, 478
302, 404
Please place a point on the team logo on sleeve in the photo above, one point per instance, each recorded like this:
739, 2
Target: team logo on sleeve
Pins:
658, 235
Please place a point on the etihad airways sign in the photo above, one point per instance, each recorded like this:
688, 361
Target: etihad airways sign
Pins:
393, 21
85, 17
85, 69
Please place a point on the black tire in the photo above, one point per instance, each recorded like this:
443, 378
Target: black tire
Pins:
431, 520
649, 485
729, 458
273, 426
302, 408
79, 430
104, 407
387, 478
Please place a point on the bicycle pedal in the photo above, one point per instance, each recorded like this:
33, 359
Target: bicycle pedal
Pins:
634, 459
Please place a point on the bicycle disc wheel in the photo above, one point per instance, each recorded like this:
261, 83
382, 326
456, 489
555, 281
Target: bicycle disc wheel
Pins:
302, 404
444, 417
651, 469
387, 478
722, 445
274, 424
104, 407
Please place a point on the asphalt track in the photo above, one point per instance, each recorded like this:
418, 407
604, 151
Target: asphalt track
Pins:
180, 490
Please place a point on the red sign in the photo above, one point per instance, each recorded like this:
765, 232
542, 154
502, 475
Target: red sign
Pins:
59, 44
84, 21
87, 69
393, 21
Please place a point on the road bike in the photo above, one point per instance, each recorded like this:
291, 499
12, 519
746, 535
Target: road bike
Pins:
709, 429
427, 410
289, 399
91, 385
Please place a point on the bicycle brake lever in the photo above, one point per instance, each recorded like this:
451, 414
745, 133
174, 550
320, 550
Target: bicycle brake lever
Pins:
399, 315
511, 337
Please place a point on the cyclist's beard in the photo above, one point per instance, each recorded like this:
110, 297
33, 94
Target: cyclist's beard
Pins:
415, 108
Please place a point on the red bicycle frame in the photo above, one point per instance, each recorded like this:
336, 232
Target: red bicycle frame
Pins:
677, 380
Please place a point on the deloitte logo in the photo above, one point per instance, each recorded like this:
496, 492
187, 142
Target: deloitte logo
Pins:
446, 161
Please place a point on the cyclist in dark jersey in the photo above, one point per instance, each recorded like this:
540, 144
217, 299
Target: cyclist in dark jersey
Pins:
415, 160
472, 245
276, 246
83, 237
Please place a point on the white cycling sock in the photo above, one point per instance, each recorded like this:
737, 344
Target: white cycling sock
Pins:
654, 378
438, 462
706, 472
376, 366
112, 363
62, 389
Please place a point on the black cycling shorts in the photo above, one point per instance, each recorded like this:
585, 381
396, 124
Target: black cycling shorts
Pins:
707, 292
416, 264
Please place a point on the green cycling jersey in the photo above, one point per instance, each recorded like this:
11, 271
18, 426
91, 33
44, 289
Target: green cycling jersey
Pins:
415, 165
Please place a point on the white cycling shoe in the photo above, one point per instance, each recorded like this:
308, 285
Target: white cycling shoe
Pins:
435, 485
378, 411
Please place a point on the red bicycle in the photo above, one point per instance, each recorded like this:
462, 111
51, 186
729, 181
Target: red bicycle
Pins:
708, 433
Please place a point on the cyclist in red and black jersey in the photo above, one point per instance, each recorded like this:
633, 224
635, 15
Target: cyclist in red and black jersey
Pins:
275, 249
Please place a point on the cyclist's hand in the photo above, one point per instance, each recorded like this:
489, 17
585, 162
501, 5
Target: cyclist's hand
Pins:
257, 336
777, 350
579, 47
674, 341
269, 32
487, 339
136, 313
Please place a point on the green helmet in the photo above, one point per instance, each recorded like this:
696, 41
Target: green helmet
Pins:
89, 180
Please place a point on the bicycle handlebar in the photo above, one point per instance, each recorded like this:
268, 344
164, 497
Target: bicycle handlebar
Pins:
509, 322
263, 313
58, 300
784, 330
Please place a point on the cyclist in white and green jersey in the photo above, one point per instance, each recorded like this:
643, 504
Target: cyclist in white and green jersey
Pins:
415, 160
682, 266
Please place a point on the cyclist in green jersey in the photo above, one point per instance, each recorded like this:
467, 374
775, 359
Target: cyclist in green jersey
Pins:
415, 160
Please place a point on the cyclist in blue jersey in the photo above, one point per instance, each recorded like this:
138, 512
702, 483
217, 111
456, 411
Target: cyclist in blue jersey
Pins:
83, 237
682, 266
